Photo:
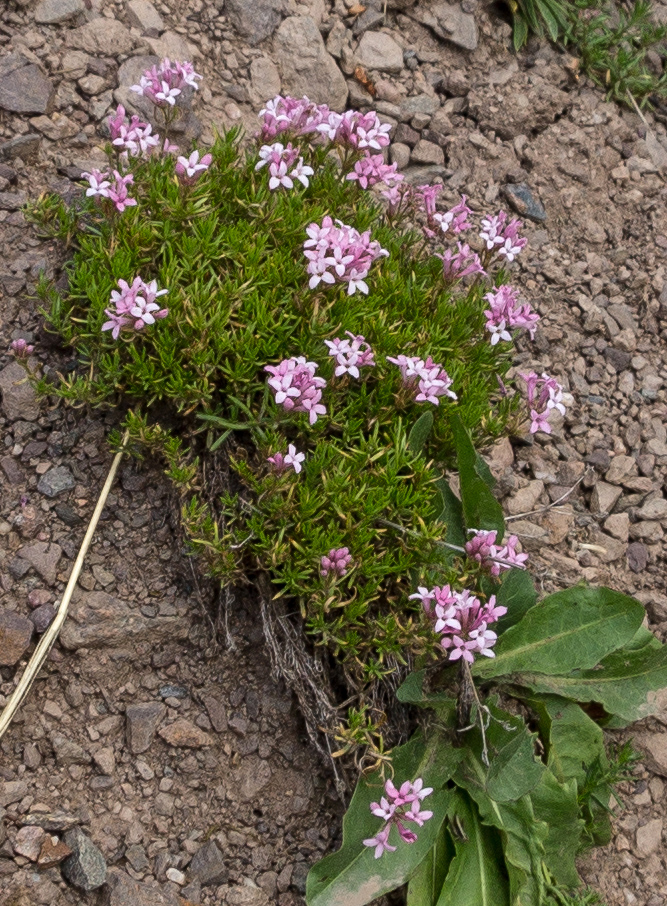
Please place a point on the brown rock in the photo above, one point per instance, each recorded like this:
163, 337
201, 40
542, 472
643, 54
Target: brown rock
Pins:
29, 842
23, 86
15, 634
654, 746
604, 497
216, 712
105, 760
53, 852
12, 791
142, 723
43, 558
183, 734
649, 838
121, 890
19, 400
525, 500
106, 37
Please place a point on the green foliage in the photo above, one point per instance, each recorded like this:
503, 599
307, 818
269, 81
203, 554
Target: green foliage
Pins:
611, 42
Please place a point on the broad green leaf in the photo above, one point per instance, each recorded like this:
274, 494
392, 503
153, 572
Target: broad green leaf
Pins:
475, 876
630, 685
481, 510
426, 883
352, 876
517, 593
570, 630
520, 31
420, 432
572, 740
412, 692
555, 803
451, 514
514, 769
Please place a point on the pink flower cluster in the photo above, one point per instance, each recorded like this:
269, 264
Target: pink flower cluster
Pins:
502, 236
296, 388
396, 808
427, 378
505, 314
299, 116
281, 462
350, 355
135, 306
455, 220
133, 138
101, 186
189, 169
336, 562
372, 169
339, 253
461, 263
162, 84
544, 394
461, 620
284, 164
361, 131
494, 557
21, 349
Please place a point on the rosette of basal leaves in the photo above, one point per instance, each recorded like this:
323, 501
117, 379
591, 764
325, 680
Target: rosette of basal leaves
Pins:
527, 784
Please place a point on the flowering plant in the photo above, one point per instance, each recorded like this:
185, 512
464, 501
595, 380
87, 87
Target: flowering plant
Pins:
345, 349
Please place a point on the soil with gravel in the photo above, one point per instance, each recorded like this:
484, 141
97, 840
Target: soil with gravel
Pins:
150, 766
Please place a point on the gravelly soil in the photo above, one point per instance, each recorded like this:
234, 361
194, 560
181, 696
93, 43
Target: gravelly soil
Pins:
239, 773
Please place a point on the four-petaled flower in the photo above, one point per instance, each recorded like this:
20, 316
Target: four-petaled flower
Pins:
427, 379
164, 83
339, 253
284, 164
505, 314
296, 386
544, 394
495, 558
189, 169
135, 306
280, 462
350, 355
396, 808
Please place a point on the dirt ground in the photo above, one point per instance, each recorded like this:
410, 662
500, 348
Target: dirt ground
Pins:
185, 763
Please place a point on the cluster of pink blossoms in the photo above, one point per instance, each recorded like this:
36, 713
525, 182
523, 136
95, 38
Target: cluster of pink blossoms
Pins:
284, 164
162, 84
544, 394
100, 185
502, 236
428, 379
296, 387
281, 462
336, 561
189, 169
135, 306
461, 620
505, 314
454, 221
133, 138
350, 355
396, 808
361, 131
460, 263
339, 253
299, 116
493, 557
372, 169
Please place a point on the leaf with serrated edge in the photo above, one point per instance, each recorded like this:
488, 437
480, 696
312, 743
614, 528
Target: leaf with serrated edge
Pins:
570, 630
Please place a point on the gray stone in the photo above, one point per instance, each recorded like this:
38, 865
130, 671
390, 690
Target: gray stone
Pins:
12, 791
19, 400
97, 619
450, 23
521, 199
208, 866
23, 86
216, 712
656, 508
29, 841
52, 821
247, 896
264, 78
136, 856
399, 154
121, 890
427, 153
12, 201
15, 634
637, 554
42, 617
379, 51
107, 37
649, 838
255, 20
419, 104
305, 66
618, 359
24, 146
56, 481
56, 127
129, 73
142, 721
43, 557
143, 14
604, 498
86, 867
105, 760
53, 12
67, 751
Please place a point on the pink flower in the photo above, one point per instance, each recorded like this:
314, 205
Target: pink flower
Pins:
459, 264
189, 169
297, 116
296, 387
492, 557
350, 355
337, 562
399, 807
372, 169
21, 349
163, 84
428, 379
281, 462
501, 236
135, 306
284, 164
544, 394
461, 621
339, 253
98, 183
505, 313
379, 841
118, 194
